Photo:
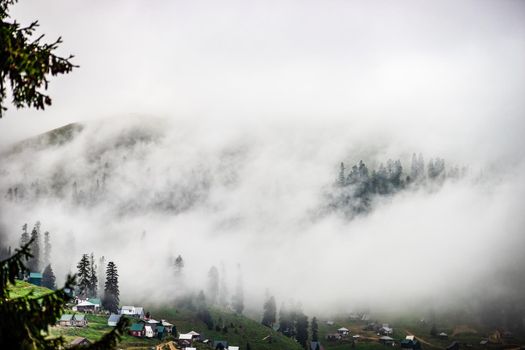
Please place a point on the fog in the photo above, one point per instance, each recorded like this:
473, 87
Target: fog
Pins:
218, 130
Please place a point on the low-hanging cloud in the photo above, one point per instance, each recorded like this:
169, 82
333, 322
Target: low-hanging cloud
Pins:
141, 193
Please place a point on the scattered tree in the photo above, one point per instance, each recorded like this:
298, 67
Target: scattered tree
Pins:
315, 329
213, 285
93, 280
301, 329
84, 276
48, 278
47, 249
238, 297
270, 311
34, 262
110, 301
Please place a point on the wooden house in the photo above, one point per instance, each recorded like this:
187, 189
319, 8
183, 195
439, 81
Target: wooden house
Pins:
79, 320
168, 327
66, 320
35, 278
113, 320
137, 330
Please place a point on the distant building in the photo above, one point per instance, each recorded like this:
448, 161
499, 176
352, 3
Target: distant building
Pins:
137, 330
113, 320
65, 320
220, 345
86, 306
132, 311
79, 342
35, 278
79, 320
315, 345
343, 331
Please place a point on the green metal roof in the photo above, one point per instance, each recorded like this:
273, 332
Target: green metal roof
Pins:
160, 329
94, 301
137, 327
35, 275
66, 317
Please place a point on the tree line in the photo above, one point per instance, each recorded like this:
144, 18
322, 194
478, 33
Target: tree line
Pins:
356, 187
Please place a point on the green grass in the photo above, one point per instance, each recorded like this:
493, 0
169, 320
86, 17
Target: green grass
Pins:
21, 288
240, 330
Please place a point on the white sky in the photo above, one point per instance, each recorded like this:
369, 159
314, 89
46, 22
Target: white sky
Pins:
419, 71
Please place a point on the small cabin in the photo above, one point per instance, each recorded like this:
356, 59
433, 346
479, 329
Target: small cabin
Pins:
79, 320
113, 320
65, 320
137, 330
35, 278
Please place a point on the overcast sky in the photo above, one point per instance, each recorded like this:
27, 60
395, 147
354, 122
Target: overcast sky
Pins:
422, 71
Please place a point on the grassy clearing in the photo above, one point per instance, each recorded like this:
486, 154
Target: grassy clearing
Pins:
21, 288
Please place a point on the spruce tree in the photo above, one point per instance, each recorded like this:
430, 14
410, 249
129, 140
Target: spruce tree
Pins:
84, 276
301, 329
34, 262
270, 311
24, 239
315, 329
179, 265
47, 249
238, 297
48, 278
213, 285
93, 280
111, 300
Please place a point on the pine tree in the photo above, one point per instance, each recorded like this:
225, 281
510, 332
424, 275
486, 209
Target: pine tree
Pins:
285, 321
223, 287
24, 239
101, 272
48, 278
34, 262
270, 311
179, 265
238, 297
93, 280
47, 249
84, 276
213, 285
341, 178
301, 329
111, 290
315, 329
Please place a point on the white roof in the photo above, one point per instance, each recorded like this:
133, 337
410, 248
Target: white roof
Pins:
193, 333
409, 337
166, 323
187, 336
190, 348
442, 333
152, 321
343, 329
139, 309
356, 336
233, 348
128, 308
86, 303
